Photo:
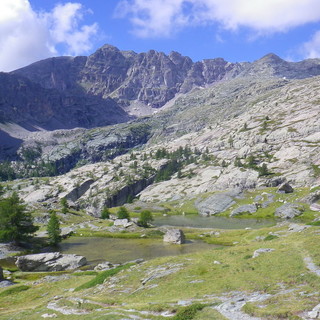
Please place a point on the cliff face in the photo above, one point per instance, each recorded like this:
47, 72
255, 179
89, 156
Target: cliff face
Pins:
31, 105
152, 77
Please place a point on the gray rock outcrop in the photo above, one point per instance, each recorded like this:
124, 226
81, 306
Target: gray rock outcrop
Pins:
124, 223
288, 211
175, 236
216, 203
53, 261
315, 312
247, 208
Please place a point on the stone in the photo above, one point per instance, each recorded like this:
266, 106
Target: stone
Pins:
261, 250
6, 283
247, 208
125, 223
285, 188
175, 236
53, 261
293, 227
288, 211
105, 266
66, 232
315, 207
49, 315
1, 274
315, 313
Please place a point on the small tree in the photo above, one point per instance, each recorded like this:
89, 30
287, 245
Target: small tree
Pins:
105, 213
16, 223
53, 229
145, 218
263, 170
64, 205
123, 213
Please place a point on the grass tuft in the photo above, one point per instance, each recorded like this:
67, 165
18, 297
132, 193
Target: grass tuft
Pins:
102, 276
13, 290
189, 312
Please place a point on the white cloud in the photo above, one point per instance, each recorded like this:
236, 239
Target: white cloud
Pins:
162, 17
311, 49
27, 36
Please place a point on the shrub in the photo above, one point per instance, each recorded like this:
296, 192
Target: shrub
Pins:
123, 213
105, 213
145, 218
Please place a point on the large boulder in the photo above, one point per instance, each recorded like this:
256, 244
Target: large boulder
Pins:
289, 211
216, 203
285, 188
175, 236
53, 261
124, 223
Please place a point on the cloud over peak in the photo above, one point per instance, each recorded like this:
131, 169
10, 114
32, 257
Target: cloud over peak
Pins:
27, 36
162, 17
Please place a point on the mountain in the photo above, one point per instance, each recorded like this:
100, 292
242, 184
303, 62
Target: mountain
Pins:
112, 86
141, 82
238, 140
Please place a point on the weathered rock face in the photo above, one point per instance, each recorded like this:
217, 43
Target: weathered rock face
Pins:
289, 211
217, 203
152, 77
32, 105
54, 261
175, 236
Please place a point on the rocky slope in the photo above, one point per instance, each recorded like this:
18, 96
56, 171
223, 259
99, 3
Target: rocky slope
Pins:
112, 86
230, 131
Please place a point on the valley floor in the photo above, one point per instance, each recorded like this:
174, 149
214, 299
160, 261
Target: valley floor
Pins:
268, 273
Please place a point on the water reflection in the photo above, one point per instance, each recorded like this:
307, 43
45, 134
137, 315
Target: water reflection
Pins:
197, 221
122, 250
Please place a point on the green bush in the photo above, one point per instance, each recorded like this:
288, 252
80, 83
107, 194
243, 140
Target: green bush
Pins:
105, 213
123, 213
145, 218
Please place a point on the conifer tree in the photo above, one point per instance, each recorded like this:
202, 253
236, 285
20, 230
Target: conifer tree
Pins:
53, 229
16, 223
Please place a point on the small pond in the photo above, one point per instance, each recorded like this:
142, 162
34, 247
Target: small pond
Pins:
97, 250
197, 221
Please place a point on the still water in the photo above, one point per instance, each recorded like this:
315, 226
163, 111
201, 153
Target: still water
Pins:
196, 221
97, 250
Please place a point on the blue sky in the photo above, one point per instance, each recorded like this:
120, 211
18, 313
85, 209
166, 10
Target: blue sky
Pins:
237, 30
